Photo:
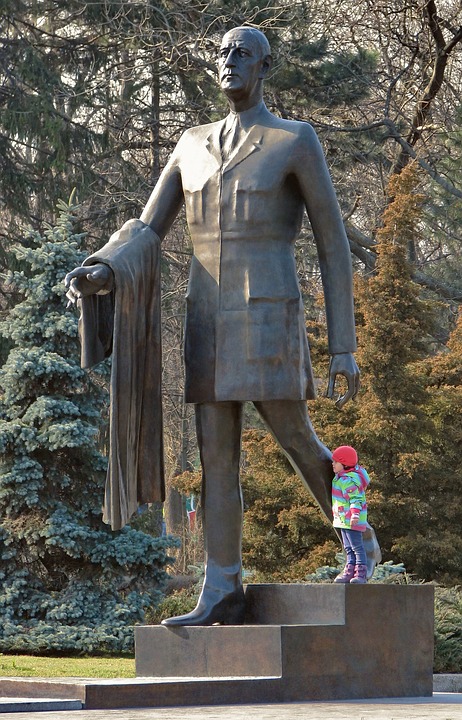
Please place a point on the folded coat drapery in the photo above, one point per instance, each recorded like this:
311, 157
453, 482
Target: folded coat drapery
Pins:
127, 321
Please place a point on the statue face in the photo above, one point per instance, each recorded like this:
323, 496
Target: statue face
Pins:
241, 65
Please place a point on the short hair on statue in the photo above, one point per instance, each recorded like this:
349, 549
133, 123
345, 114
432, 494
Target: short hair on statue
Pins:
260, 38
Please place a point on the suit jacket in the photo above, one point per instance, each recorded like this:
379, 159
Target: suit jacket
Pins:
245, 327
245, 336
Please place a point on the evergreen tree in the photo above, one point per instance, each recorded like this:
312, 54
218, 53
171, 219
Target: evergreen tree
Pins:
435, 550
67, 581
48, 136
392, 428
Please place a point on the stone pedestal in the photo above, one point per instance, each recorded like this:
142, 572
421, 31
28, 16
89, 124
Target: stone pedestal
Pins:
300, 642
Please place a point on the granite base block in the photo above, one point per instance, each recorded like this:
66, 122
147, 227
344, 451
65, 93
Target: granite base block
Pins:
306, 642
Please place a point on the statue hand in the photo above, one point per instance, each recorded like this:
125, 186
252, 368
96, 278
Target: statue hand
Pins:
82, 281
343, 364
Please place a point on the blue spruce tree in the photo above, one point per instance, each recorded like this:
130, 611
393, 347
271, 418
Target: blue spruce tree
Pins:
67, 582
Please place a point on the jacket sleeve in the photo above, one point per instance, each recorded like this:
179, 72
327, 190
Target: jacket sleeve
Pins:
331, 241
353, 494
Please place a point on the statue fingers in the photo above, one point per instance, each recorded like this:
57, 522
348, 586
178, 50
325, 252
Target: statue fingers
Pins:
343, 399
331, 385
357, 385
72, 293
87, 280
75, 274
352, 389
330, 390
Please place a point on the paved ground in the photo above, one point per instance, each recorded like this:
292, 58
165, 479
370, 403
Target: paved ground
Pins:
442, 706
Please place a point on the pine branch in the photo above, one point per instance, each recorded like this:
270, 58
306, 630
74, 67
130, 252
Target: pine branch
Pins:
362, 247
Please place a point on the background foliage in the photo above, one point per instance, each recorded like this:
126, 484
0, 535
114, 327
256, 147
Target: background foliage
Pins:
67, 581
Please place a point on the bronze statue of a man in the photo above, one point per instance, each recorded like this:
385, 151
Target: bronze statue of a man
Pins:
246, 181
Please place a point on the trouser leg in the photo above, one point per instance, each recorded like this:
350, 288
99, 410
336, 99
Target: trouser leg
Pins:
354, 547
291, 427
219, 428
350, 555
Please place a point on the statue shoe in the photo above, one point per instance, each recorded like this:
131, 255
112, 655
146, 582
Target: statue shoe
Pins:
372, 548
229, 610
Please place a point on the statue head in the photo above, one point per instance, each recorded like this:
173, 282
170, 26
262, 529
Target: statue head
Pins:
243, 64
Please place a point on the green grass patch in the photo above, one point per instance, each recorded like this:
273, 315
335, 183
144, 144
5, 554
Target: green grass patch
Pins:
81, 667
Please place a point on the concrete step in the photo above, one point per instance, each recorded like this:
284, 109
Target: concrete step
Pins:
441, 684
144, 692
25, 704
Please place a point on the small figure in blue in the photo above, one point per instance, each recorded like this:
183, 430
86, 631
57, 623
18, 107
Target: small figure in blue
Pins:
349, 508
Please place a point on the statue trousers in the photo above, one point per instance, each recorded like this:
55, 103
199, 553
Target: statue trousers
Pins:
219, 428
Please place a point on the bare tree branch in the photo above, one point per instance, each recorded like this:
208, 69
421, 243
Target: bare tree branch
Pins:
442, 52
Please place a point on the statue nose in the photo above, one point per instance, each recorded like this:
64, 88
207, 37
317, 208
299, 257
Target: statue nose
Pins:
230, 59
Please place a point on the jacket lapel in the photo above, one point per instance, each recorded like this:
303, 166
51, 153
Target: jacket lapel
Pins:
251, 143
212, 142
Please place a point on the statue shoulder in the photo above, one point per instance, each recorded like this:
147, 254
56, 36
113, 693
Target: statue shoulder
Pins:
307, 144
300, 130
196, 135
306, 133
199, 132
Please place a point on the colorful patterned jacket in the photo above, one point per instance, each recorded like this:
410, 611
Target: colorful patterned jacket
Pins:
349, 498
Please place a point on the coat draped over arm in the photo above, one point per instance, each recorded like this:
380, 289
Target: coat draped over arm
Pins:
127, 322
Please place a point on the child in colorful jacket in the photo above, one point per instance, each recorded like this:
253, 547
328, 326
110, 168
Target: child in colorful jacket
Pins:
349, 508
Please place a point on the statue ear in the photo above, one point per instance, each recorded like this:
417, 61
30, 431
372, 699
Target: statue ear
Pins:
266, 65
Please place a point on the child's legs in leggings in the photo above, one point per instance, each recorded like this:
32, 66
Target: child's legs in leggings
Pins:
354, 547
